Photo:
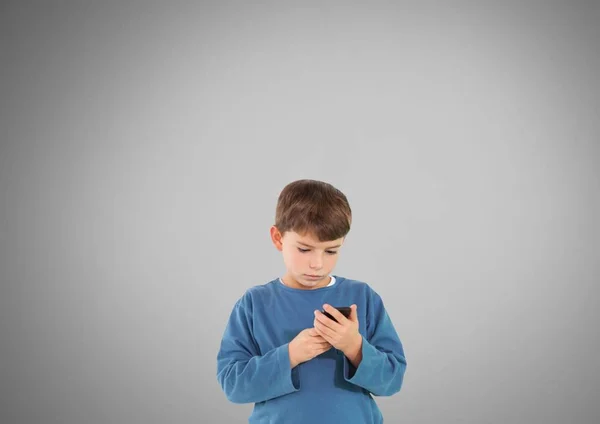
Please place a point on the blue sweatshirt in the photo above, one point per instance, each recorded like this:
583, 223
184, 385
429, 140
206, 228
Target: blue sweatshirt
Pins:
253, 364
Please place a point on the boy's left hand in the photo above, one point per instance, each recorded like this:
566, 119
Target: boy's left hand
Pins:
343, 334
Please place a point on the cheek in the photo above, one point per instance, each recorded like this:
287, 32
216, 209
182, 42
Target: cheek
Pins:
294, 260
332, 261
300, 260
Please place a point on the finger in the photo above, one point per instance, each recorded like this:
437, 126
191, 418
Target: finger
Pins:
329, 323
325, 349
314, 333
320, 351
324, 331
320, 339
334, 313
353, 313
323, 346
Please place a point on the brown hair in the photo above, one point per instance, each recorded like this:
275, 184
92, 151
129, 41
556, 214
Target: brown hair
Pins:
315, 207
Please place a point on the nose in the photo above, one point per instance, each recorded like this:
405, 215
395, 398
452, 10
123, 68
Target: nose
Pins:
316, 262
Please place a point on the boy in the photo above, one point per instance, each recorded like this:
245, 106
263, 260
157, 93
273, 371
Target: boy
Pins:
292, 361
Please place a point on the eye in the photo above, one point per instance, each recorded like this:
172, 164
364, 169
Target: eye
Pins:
331, 252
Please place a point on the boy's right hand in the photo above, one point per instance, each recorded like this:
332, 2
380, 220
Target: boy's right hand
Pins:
306, 345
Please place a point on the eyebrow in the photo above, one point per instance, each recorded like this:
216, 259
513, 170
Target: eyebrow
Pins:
308, 245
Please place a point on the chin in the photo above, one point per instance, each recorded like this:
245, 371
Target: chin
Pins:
311, 282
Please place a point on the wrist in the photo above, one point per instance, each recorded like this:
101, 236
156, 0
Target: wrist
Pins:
355, 349
293, 361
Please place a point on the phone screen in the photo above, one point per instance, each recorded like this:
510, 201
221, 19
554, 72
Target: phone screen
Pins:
345, 311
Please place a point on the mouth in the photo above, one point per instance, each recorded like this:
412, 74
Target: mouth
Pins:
313, 276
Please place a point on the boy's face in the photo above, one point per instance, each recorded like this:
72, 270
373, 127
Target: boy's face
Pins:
305, 257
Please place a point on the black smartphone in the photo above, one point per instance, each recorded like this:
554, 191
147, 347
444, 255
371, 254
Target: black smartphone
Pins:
345, 311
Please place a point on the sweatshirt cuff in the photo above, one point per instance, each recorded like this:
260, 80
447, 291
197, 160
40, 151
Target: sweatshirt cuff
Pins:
363, 374
291, 382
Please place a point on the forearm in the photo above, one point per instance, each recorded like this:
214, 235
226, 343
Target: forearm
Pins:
354, 352
379, 372
258, 378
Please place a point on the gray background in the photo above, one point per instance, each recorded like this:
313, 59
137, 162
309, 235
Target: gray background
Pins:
143, 147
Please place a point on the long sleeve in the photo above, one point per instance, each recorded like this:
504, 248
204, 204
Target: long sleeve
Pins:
245, 375
381, 370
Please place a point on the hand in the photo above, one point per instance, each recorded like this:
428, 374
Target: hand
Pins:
306, 345
343, 334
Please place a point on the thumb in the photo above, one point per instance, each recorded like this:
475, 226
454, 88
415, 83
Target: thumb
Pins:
353, 315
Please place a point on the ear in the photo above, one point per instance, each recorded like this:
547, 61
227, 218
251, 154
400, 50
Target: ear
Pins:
276, 238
